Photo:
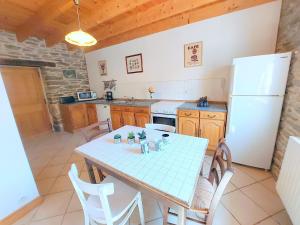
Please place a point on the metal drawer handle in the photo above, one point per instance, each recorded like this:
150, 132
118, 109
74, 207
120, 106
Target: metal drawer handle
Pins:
209, 116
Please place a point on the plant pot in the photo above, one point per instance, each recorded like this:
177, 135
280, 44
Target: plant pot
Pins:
143, 139
130, 141
117, 140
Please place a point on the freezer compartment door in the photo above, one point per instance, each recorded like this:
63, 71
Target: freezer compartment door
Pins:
260, 75
252, 129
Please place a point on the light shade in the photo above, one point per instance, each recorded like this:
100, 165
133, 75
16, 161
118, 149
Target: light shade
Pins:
80, 38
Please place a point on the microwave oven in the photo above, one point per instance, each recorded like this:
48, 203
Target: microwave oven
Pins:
86, 95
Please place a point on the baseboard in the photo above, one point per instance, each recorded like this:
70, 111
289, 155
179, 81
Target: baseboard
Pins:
12, 218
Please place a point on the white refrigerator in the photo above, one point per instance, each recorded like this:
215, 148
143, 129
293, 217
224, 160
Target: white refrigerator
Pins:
256, 92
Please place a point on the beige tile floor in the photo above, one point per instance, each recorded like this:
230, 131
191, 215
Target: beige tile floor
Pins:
249, 199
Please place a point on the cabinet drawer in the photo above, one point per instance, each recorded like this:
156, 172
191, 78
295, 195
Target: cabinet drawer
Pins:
116, 108
122, 108
141, 109
189, 113
213, 115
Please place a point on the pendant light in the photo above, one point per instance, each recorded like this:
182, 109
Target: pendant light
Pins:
80, 37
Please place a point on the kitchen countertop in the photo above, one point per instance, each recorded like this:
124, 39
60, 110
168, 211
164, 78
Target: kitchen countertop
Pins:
211, 107
148, 103
138, 103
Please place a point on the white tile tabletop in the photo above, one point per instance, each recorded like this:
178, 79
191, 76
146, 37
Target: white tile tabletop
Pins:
173, 171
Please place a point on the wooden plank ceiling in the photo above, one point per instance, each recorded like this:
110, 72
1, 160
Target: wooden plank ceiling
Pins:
109, 21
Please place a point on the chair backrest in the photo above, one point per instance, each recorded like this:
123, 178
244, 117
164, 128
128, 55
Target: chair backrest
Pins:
99, 190
95, 129
220, 173
219, 165
162, 127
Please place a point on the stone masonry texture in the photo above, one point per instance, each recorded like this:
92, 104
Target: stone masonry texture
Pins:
54, 83
289, 40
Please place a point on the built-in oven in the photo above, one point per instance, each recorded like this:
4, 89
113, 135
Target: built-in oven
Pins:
167, 119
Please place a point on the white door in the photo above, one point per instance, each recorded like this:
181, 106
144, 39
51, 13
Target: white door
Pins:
260, 75
252, 129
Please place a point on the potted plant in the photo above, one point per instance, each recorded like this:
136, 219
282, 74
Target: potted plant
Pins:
117, 138
130, 138
142, 136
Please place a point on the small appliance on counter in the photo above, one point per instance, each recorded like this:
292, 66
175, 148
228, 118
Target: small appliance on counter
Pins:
203, 102
66, 99
86, 95
109, 96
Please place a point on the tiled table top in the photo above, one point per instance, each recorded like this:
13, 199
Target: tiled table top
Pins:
173, 172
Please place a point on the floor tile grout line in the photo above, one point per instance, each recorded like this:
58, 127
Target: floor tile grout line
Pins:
258, 204
239, 189
231, 213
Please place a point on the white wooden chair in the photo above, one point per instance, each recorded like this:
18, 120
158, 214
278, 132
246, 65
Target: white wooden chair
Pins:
210, 190
107, 202
162, 127
92, 131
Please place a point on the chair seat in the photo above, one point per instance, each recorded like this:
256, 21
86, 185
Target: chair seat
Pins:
203, 195
123, 196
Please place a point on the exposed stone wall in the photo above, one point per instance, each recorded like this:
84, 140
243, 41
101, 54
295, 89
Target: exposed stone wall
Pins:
54, 82
289, 40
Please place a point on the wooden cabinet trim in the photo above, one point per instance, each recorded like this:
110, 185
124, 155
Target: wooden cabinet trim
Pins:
189, 113
213, 115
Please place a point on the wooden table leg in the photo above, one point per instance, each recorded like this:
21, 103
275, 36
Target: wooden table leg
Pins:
89, 166
181, 215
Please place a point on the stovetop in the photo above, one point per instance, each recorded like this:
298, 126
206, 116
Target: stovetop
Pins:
166, 107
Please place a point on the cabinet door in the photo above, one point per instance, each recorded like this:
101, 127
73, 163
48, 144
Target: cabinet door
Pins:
141, 119
91, 113
188, 126
116, 119
213, 130
78, 116
128, 118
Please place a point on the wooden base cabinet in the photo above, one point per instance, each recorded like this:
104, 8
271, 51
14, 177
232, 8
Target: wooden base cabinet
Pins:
77, 116
128, 118
134, 116
188, 126
141, 119
116, 119
210, 125
213, 130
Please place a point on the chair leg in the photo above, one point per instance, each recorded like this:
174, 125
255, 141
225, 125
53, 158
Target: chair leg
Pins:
86, 219
141, 210
101, 175
165, 214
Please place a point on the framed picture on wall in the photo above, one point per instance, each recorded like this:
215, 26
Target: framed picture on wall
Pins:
134, 63
69, 74
102, 67
193, 54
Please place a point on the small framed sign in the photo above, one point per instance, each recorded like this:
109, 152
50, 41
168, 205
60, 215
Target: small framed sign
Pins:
134, 63
193, 54
102, 67
69, 74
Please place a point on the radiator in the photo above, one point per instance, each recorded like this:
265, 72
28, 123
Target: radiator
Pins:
288, 184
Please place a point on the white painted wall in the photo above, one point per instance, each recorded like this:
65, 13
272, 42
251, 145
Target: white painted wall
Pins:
248, 32
17, 186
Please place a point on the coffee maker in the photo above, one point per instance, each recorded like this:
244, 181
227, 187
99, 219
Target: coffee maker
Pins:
109, 96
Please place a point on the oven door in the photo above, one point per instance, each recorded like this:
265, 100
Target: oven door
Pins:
164, 119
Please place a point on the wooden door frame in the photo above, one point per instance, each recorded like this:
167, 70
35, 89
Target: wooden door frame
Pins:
43, 88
